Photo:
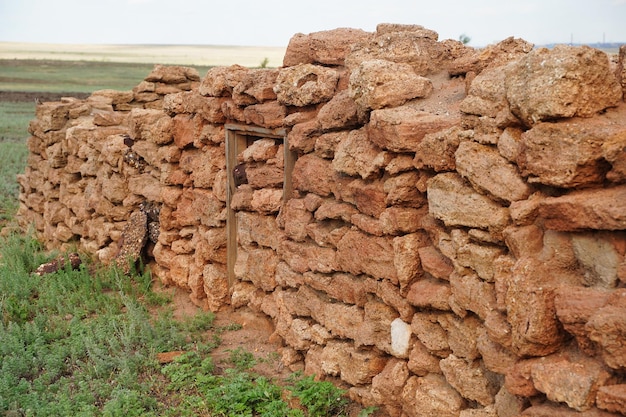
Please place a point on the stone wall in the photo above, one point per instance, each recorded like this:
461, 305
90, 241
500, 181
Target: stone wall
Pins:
452, 241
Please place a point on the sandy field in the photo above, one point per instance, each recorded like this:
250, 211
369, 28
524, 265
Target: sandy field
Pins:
249, 56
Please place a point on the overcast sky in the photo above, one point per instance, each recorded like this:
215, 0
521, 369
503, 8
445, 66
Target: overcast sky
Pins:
273, 22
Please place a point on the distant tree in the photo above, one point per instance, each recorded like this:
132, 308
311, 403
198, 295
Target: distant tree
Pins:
265, 62
464, 39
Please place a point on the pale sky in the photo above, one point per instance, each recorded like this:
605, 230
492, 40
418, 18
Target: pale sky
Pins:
274, 22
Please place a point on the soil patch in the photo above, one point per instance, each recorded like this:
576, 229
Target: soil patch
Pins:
33, 96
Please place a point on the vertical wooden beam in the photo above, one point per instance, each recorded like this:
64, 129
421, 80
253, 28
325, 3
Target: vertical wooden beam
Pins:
235, 143
289, 162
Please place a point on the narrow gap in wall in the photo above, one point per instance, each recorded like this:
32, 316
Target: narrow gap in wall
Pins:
238, 139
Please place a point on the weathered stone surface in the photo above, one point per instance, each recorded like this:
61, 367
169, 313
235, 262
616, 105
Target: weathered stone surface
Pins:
435, 263
489, 172
257, 86
569, 153
436, 150
398, 220
431, 333
565, 81
572, 381
356, 155
267, 200
145, 185
331, 209
305, 84
341, 286
462, 335
257, 229
215, 284
486, 98
421, 361
402, 190
354, 366
574, 307
313, 174
471, 293
548, 410
339, 113
221, 81
598, 256
430, 396
377, 84
448, 199
471, 380
152, 125
328, 47
269, 114
531, 311
368, 197
358, 253
496, 358
492, 56
401, 129
428, 293
295, 218
607, 327
387, 385
406, 259
597, 209
612, 398
376, 325
172, 74
306, 256
409, 44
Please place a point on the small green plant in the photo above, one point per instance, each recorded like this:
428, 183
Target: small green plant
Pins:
464, 39
241, 359
320, 398
264, 62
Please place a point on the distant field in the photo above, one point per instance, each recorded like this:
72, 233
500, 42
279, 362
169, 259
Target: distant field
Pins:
62, 76
203, 55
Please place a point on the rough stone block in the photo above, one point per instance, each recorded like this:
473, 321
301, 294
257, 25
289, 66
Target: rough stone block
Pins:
305, 84
449, 196
431, 396
612, 398
437, 150
378, 83
596, 209
357, 156
488, 171
572, 381
401, 129
562, 82
359, 253
328, 47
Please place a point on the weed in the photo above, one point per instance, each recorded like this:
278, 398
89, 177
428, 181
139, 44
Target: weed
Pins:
84, 343
320, 398
241, 359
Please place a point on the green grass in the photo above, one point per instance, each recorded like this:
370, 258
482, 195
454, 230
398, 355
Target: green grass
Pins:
72, 76
84, 343
13, 156
14, 119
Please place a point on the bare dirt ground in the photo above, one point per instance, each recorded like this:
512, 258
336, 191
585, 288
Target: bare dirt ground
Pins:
29, 96
255, 336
